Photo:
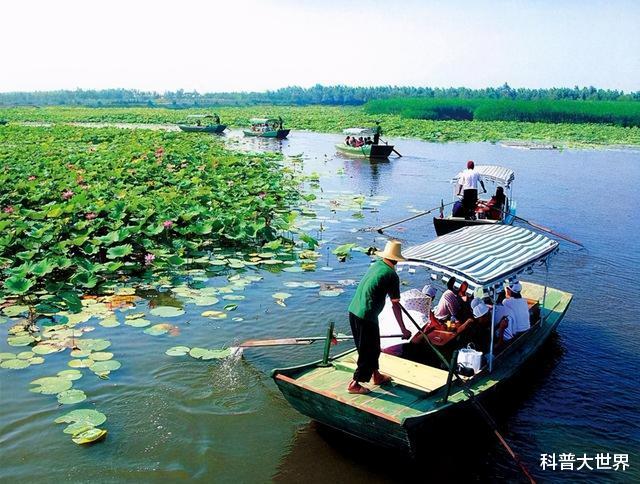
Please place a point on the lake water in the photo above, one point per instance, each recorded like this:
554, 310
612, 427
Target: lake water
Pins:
172, 418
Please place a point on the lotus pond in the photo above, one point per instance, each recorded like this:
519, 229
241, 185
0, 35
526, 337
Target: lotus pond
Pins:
128, 374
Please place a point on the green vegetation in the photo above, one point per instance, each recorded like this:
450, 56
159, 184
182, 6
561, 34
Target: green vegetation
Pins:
81, 206
298, 96
334, 119
620, 113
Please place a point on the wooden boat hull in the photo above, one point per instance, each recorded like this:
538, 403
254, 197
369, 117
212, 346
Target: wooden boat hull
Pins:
380, 152
398, 415
449, 224
278, 134
214, 128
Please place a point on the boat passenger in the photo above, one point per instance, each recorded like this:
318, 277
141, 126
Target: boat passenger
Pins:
353, 141
347, 140
448, 307
519, 306
495, 206
505, 321
468, 185
380, 280
360, 142
458, 209
367, 141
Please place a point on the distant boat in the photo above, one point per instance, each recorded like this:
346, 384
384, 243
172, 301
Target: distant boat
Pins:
267, 128
500, 177
371, 151
399, 414
3, 122
203, 123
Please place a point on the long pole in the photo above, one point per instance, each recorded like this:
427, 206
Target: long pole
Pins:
394, 150
421, 214
472, 398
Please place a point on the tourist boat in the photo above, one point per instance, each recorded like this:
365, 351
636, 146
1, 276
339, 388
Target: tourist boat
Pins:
203, 123
3, 122
267, 128
399, 414
498, 176
371, 151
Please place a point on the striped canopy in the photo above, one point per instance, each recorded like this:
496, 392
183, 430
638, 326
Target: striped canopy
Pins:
483, 255
497, 174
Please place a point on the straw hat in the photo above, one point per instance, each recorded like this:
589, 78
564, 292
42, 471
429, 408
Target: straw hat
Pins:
391, 251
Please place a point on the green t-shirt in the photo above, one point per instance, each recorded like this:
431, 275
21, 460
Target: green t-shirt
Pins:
379, 281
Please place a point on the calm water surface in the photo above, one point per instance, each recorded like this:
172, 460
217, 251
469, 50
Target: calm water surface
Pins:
225, 421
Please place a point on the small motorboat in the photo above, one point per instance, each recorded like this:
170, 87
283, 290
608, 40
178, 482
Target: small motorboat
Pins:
203, 123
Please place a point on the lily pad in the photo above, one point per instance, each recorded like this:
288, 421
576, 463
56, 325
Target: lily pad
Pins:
69, 397
45, 349
7, 356
292, 284
158, 329
233, 297
102, 366
177, 351
331, 292
14, 364
25, 355
16, 310
205, 301
85, 415
51, 385
134, 316
93, 344
89, 436
197, 352
77, 428
215, 314
70, 374
101, 356
138, 323
80, 353
22, 340
281, 295
216, 354
81, 363
110, 322
167, 311
36, 360
293, 269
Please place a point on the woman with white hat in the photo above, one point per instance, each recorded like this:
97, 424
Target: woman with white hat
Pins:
518, 305
380, 281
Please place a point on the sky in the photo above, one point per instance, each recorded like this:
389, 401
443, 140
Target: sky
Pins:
252, 45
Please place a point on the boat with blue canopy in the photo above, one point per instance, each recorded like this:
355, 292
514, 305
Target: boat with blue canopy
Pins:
482, 258
203, 123
267, 128
487, 211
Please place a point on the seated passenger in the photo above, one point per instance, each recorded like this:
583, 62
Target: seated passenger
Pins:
505, 321
419, 301
503, 325
448, 307
458, 209
519, 306
353, 141
494, 208
347, 140
368, 141
360, 142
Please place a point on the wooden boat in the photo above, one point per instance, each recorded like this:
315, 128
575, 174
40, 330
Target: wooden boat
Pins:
203, 123
399, 415
3, 122
267, 128
499, 176
371, 151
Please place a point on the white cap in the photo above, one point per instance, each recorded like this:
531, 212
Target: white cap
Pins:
480, 310
515, 286
430, 291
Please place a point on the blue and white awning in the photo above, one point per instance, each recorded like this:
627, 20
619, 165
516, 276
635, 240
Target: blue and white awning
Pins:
497, 174
483, 255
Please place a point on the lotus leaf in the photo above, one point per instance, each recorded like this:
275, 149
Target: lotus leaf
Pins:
84, 415
105, 366
93, 344
218, 262
167, 311
138, 323
45, 349
272, 262
82, 363
134, 316
205, 301
281, 295
12, 311
119, 251
177, 351
101, 356
233, 297
36, 360
18, 284
110, 322
331, 292
292, 284
266, 255
80, 353
216, 354
25, 355
208, 291
236, 265
125, 291
158, 329
14, 364
89, 436
293, 269
50, 385
77, 428
197, 352
70, 374
72, 396
7, 356
22, 340
214, 314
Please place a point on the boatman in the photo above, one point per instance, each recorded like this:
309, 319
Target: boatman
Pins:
468, 186
377, 131
380, 281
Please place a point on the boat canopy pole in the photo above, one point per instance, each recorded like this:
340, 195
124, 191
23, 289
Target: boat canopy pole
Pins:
493, 322
546, 283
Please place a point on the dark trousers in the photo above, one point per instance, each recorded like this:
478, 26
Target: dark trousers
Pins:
366, 335
469, 201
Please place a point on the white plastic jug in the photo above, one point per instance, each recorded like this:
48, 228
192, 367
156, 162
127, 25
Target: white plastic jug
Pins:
470, 358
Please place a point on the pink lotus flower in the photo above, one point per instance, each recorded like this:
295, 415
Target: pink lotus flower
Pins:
8, 209
90, 215
262, 195
167, 224
148, 259
67, 194
31, 178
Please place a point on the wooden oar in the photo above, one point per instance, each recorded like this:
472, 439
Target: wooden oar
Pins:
381, 229
393, 149
472, 398
253, 343
540, 227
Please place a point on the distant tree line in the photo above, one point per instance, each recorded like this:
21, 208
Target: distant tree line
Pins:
299, 96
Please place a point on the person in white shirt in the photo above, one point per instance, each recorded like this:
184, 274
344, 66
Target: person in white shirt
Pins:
518, 305
468, 185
